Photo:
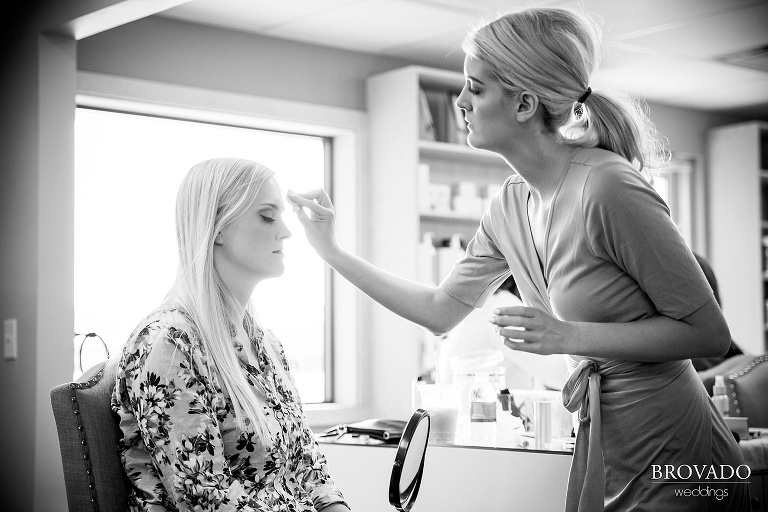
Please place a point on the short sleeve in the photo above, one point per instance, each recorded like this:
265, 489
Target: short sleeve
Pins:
483, 268
628, 223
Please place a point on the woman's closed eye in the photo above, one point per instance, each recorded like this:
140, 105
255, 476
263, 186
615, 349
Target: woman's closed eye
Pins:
267, 218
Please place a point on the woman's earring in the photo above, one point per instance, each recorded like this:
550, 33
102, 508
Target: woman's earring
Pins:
217, 240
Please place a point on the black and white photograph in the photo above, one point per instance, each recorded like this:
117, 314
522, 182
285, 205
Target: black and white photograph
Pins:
375, 255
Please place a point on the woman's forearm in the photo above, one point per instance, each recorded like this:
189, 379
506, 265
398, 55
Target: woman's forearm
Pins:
426, 306
703, 333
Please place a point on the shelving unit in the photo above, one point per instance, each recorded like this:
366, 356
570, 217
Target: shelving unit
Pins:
398, 222
738, 189
456, 152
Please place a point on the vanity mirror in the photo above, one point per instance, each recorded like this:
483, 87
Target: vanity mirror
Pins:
409, 462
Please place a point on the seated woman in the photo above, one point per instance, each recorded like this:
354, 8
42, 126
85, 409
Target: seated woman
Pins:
210, 415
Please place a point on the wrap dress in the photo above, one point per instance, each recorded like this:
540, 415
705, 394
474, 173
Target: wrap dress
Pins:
612, 254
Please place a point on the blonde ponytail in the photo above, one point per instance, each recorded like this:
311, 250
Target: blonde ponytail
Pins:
618, 123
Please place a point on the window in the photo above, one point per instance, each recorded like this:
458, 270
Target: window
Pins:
128, 168
674, 185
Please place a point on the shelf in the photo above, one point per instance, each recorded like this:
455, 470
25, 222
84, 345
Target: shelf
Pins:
764, 174
764, 224
445, 150
449, 217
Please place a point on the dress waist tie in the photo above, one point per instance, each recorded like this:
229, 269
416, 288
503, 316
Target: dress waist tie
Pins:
586, 482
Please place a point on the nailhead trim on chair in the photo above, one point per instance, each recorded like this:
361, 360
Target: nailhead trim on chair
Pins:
740, 373
74, 386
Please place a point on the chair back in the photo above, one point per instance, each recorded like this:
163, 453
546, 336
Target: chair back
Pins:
88, 438
746, 379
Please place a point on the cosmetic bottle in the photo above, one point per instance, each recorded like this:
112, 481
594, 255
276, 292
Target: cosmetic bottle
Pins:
425, 199
448, 255
482, 411
465, 201
720, 396
427, 255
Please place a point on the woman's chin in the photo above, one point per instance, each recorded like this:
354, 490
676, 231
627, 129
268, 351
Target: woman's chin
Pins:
272, 274
474, 142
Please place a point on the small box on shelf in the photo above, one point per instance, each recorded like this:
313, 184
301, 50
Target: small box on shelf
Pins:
439, 199
465, 200
460, 201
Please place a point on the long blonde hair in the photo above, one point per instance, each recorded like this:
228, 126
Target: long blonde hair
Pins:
213, 194
552, 52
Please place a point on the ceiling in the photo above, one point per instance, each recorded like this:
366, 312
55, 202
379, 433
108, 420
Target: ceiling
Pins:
703, 54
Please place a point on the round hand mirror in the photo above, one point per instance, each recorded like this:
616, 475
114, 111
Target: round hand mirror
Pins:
409, 462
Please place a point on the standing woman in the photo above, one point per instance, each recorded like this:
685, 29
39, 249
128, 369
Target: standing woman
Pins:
210, 415
603, 272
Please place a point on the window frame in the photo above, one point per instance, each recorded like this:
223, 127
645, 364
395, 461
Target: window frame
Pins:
346, 128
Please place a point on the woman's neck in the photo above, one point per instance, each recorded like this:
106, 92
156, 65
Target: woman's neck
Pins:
239, 283
541, 162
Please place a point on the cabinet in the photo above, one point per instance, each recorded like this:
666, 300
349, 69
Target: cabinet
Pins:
738, 198
397, 225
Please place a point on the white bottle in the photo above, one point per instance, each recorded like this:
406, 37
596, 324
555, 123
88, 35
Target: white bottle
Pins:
448, 256
720, 396
482, 411
427, 256
425, 202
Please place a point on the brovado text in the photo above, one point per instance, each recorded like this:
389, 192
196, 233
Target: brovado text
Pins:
701, 472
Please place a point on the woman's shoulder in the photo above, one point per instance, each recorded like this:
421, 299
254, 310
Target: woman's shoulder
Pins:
603, 160
269, 337
166, 317
606, 173
512, 182
169, 322
513, 189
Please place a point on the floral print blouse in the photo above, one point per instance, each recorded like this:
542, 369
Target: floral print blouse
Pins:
181, 448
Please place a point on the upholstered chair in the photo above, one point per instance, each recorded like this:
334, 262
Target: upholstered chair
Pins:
88, 437
746, 379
